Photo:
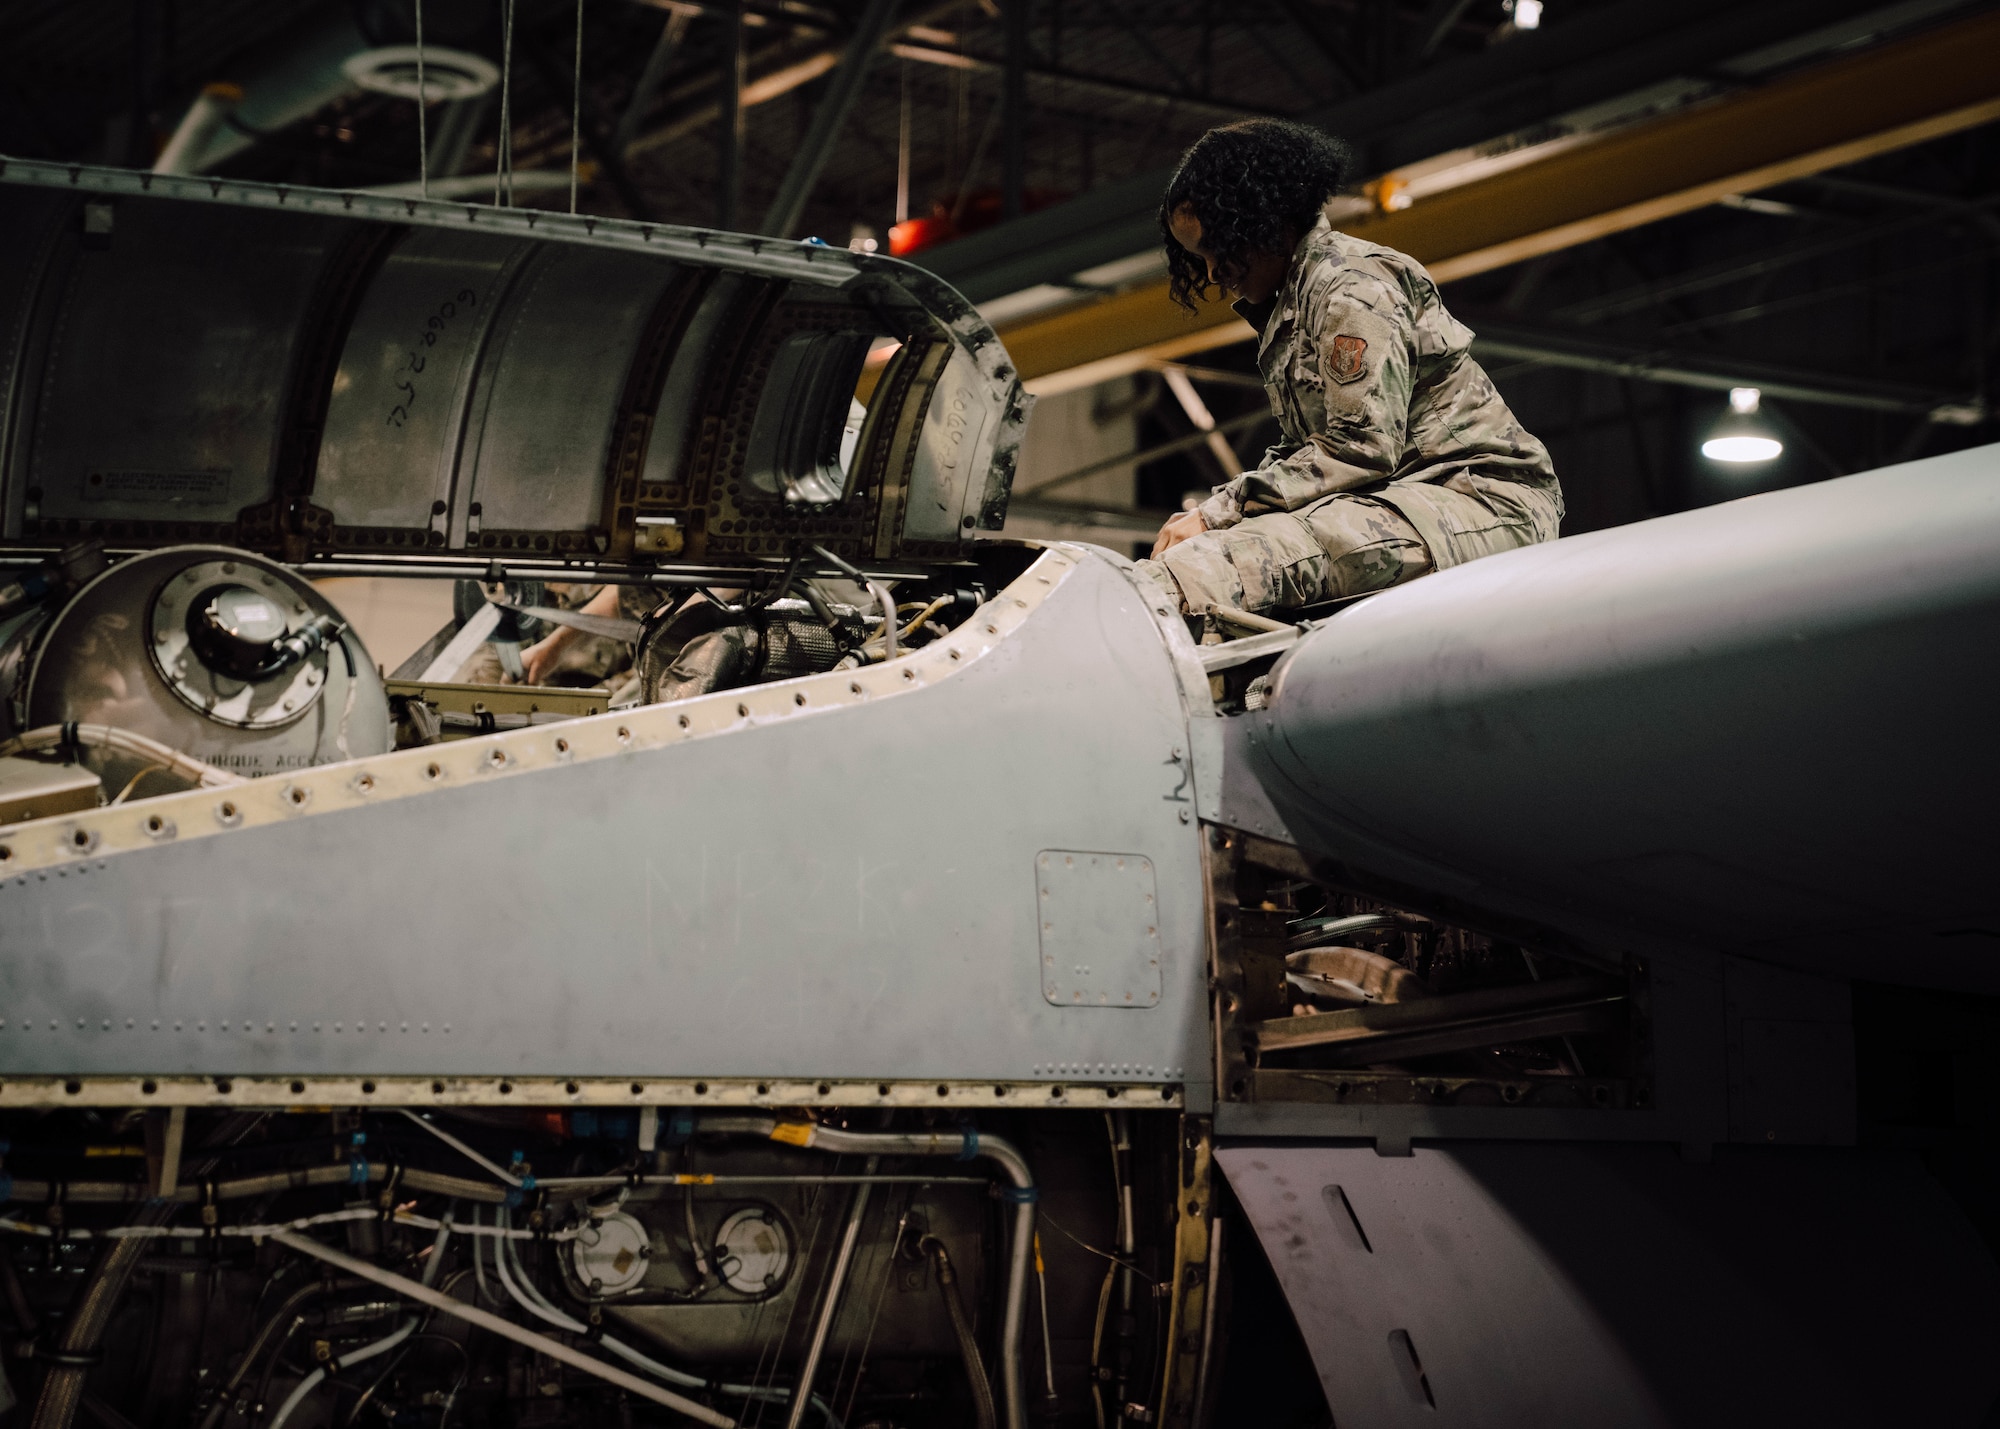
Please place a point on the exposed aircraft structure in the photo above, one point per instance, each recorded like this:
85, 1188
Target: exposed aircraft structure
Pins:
1493, 935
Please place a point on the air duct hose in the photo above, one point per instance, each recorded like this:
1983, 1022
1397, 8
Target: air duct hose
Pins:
80, 1347
975, 1371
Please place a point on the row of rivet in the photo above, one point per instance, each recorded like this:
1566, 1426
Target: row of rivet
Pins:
156, 821
556, 1091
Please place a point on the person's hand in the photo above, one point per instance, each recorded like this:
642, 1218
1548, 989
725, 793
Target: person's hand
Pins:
1183, 527
538, 661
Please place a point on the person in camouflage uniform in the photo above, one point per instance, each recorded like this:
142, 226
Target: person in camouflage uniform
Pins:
1398, 457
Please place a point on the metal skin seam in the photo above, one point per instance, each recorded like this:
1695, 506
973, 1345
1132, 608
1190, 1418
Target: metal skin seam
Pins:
772, 257
808, 261
314, 1093
75, 844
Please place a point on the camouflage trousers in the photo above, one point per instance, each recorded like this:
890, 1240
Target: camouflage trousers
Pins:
1336, 546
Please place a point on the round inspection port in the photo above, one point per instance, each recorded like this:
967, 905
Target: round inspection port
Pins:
799, 698
497, 758
433, 771
562, 746
756, 1251
686, 723
624, 735
6, 853
227, 814
298, 797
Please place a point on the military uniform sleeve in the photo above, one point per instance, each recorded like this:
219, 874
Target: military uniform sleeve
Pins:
1348, 370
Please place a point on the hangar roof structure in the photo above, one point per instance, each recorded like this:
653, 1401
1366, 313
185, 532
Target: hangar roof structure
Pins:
1636, 206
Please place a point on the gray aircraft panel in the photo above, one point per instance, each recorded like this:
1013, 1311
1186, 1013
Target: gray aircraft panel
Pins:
1515, 1286
804, 892
1765, 726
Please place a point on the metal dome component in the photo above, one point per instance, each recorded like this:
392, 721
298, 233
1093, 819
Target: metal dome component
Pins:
148, 646
217, 628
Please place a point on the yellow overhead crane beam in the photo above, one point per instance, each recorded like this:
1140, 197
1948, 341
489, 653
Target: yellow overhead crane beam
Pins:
1886, 98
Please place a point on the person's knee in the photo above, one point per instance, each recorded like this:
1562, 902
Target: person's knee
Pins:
1369, 545
1203, 572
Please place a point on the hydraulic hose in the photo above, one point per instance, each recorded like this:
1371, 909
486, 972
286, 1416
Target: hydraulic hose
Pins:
262, 1341
367, 1352
964, 1145
104, 736
77, 1351
968, 1347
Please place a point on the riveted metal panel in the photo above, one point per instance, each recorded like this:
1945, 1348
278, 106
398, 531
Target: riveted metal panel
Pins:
162, 388
29, 245
391, 451
377, 457
549, 388
822, 878
1100, 935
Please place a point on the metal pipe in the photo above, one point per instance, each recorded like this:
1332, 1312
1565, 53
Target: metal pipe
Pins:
209, 112
1128, 1249
246, 1187
965, 1145
506, 1329
303, 1390
830, 1306
1208, 1314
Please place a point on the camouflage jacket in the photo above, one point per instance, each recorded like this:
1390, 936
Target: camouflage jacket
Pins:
1376, 392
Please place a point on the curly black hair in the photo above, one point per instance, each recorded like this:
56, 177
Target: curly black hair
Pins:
1249, 184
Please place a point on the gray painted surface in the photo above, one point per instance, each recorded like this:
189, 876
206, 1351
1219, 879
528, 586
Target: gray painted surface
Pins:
1619, 1286
1766, 727
847, 893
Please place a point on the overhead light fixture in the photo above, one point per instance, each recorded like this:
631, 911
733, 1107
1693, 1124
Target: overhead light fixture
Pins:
448, 74
1742, 436
1526, 14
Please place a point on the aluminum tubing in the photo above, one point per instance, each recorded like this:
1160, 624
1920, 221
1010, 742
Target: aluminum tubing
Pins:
505, 1329
966, 1145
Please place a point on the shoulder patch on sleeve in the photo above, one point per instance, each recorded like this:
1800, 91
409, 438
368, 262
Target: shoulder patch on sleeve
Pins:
1350, 362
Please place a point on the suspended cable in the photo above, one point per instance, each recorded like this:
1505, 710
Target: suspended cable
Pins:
576, 108
503, 145
423, 97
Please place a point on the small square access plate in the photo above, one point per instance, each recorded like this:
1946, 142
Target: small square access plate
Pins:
1100, 928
